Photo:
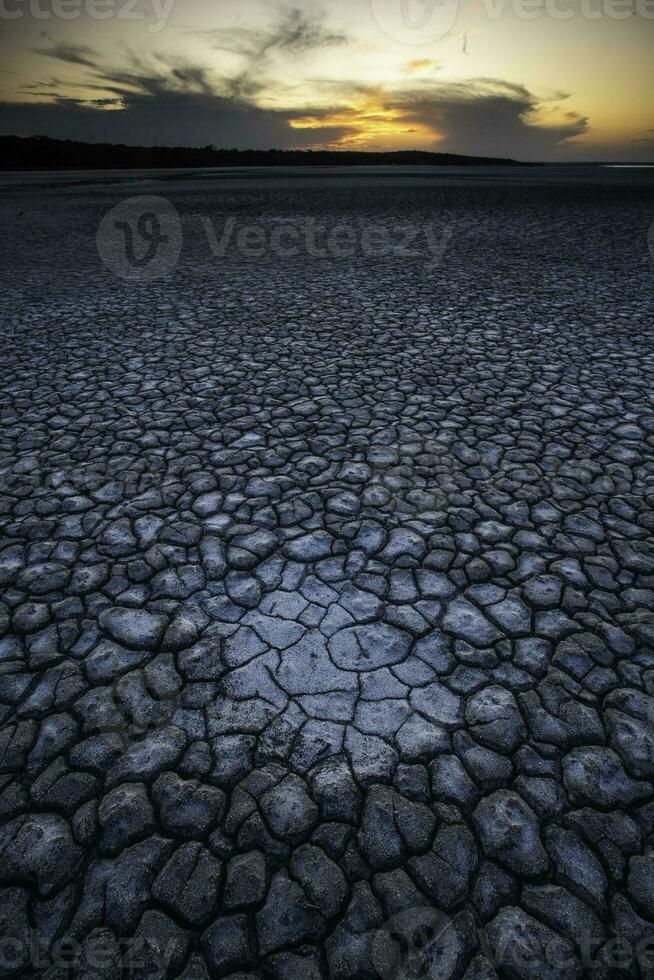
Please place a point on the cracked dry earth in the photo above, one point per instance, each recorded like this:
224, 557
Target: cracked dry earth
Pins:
328, 590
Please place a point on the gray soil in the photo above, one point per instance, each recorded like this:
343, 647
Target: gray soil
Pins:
327, 582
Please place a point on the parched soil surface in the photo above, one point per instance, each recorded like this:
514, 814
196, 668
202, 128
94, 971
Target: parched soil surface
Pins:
327, 617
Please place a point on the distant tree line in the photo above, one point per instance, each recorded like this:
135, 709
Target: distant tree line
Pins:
44, 153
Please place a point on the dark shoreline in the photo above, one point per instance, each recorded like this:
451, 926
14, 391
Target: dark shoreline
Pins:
43, 153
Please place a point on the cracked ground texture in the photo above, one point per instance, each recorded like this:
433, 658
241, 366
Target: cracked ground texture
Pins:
328, 586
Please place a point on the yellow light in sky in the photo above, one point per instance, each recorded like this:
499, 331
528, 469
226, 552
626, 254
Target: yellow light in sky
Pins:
359, 83
367, 124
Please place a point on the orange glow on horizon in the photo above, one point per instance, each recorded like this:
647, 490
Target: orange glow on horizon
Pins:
367, 125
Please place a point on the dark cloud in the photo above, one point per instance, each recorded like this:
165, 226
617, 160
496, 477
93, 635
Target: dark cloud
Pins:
35, 88
157, 77
487, 117
298, 31
164, 100
72, 54
295, 32
480, 116
192, 76
66, 100
166, 119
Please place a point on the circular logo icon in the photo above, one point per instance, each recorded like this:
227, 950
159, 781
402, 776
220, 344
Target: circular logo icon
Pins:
417, 944
131, 719
415, 21
140, 239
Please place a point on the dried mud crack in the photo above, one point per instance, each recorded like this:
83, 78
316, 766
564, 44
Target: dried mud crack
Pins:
328, 593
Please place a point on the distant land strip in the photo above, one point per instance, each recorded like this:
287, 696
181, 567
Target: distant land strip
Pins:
44, 153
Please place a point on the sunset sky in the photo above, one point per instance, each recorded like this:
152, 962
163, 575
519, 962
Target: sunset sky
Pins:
532, 79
